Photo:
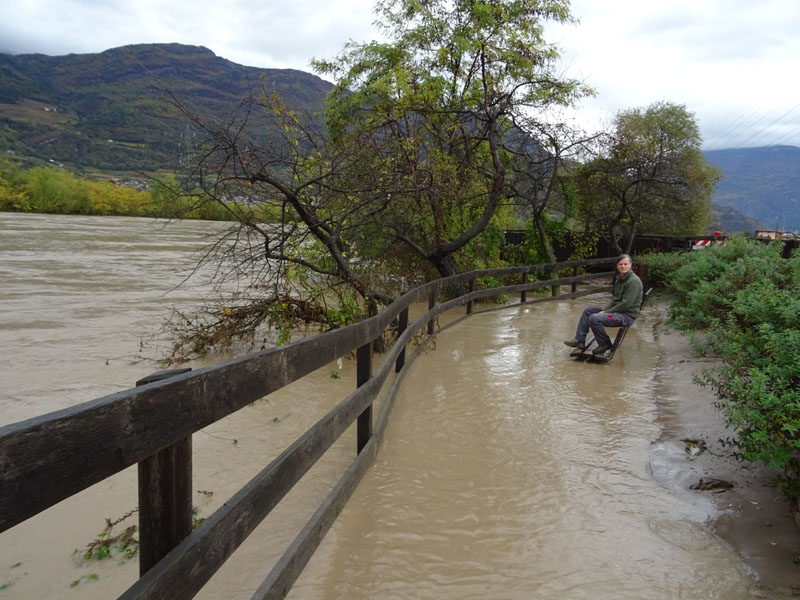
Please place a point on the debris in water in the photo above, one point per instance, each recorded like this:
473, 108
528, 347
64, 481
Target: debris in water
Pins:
694, 447
711, 485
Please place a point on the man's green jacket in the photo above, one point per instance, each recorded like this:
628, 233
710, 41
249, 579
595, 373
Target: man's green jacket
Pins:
627, 295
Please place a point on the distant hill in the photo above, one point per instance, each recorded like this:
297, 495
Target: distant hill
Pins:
109, 111
728, 220
761, 183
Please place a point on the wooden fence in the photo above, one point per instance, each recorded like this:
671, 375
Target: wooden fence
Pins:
642, 243
49, 458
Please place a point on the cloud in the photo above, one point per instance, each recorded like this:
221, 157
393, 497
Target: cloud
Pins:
721, 58
256, 34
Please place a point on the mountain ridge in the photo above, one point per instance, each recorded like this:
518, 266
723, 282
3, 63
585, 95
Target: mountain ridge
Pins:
115, 110
761, 183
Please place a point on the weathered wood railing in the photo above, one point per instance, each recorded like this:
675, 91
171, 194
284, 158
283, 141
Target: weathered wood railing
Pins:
49, 458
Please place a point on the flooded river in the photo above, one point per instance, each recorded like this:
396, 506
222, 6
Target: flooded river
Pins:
507, 470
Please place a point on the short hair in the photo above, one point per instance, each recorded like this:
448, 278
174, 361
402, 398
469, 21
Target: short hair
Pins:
624, 256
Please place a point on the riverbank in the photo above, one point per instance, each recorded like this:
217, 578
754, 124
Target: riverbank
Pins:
750, 517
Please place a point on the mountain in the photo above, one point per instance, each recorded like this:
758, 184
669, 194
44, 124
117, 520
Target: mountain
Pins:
728, 220
761, 183
111, 111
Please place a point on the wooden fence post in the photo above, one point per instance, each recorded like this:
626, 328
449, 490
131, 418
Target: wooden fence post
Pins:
165, 494
470, 290
524, 296
402, 325
363, 374
431, 304
574, 283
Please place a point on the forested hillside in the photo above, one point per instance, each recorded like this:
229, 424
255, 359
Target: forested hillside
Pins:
761, 183
111, 111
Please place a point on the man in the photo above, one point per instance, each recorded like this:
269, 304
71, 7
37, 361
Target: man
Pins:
620, 312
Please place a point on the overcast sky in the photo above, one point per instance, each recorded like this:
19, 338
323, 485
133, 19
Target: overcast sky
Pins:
733, 63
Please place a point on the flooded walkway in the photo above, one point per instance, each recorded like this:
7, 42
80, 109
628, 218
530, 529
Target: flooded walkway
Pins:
511, 471
507, 471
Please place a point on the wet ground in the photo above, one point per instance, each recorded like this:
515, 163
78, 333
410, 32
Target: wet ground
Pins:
508, 470
750, 517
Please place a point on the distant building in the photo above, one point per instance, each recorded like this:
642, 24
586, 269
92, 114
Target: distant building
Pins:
769, 234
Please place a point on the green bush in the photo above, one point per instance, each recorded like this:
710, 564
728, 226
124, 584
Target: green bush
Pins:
744, 299
661, 267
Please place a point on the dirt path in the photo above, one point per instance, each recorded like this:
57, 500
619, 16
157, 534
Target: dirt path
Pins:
750, 517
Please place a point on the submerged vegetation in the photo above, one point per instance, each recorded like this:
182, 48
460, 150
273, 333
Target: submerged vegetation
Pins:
741, 302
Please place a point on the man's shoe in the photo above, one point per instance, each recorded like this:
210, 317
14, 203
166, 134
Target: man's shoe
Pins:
576, 344
601, 349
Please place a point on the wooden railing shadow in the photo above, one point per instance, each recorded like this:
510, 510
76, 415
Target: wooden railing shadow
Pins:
49, 458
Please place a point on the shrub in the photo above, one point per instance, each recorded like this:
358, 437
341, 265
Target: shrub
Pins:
662, 267
745, 299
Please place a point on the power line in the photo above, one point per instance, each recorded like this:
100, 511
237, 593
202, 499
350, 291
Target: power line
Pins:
787, 136
760, 132
735, 123
742, 132
746, 127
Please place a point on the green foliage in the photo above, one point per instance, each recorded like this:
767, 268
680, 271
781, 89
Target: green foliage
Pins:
584, 244
56, 191
84, 578
346, 312
14, 192
532, 251
651, 176
106, 545
745, 299
661, 266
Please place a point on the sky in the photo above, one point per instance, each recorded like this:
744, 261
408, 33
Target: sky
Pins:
733, 63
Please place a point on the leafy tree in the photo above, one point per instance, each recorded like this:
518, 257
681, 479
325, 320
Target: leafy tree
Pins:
406, 180
649, 177
448, 97
55, 191
544, 185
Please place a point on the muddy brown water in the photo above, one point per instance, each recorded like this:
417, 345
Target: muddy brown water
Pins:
507, 470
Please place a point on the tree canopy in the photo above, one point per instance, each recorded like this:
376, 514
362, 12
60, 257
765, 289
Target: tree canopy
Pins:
650, 176
410, 173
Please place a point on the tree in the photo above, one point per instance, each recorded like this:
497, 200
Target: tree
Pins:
651, 176
415, 160
544, 186
448, 95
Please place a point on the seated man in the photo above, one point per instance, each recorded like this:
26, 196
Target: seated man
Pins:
620, 312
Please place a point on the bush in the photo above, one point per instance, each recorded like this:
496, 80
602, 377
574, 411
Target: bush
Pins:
745, 299
662, 267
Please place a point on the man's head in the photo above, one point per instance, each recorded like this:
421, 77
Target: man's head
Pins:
623, 265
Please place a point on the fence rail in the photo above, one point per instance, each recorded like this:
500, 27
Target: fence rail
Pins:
46, 459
